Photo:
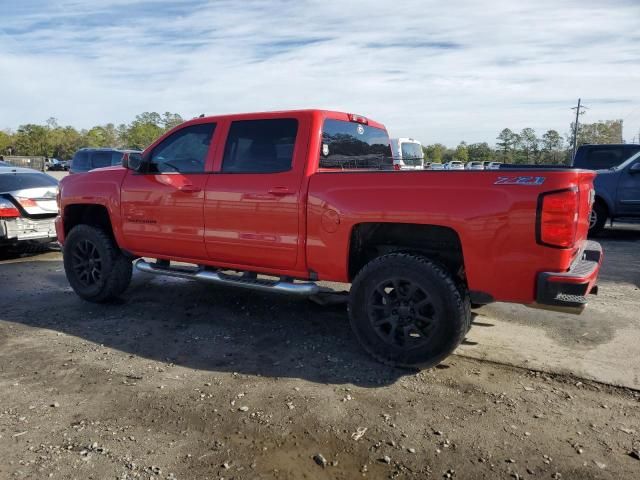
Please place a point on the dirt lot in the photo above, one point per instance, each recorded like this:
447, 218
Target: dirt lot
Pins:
182, 380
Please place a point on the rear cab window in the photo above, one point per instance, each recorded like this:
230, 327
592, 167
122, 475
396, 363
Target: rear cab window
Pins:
352, 145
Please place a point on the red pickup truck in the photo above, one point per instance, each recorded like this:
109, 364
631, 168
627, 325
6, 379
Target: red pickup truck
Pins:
278, 201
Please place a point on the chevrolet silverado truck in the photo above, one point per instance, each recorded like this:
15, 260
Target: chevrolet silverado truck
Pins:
281, 200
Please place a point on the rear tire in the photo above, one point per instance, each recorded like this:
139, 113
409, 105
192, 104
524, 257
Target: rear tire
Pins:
407, 311
598, 219
96, 269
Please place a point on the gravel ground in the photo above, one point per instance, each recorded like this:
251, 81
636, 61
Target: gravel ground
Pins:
181, 380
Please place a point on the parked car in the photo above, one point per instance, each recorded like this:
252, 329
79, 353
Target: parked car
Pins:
87, 159
474, 165
27, 206
617, 194
407, 154
454, 165
293, 195
56, 165
493, 166
436, 166
603, 157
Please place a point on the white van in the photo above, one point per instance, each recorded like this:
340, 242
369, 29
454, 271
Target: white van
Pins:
407, 154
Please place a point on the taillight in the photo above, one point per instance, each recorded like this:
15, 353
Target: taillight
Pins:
8, 209
27, 202
396, 166
358, 118
558, 218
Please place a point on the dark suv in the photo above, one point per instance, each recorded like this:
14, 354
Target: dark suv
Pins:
604, 157
617, 186
87, 159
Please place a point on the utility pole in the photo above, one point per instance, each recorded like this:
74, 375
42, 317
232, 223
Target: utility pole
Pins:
579, 112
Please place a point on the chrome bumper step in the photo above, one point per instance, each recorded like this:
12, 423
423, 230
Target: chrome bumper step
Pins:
251, 282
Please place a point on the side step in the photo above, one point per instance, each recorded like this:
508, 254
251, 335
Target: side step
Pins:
220, 278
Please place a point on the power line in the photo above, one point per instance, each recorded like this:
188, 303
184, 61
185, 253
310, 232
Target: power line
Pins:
579, 111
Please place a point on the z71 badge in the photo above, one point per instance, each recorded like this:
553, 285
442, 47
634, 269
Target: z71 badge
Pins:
519, 181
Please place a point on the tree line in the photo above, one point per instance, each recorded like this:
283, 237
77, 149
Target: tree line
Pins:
55, 141
526, 147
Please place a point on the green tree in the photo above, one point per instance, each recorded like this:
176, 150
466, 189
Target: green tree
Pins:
435, 152
552, 145
480, 152
32, 139
461, 154
144, 130
170, 120
507, 141
528, 145
6, 142
608, 131
66, 140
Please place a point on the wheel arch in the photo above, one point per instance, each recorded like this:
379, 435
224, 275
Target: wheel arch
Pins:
436, 242
92, 214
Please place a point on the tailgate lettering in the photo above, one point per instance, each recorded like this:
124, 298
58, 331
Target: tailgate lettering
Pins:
520, 181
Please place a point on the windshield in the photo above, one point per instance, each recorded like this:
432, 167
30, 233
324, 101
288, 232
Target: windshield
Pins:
354, 145
411, 153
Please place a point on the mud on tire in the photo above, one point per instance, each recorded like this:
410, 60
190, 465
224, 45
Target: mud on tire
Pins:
96, 269
407, 310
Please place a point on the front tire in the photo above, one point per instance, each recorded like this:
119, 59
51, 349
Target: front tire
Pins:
96, 269
408, 311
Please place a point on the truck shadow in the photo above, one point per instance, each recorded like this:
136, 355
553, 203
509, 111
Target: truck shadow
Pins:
199, 326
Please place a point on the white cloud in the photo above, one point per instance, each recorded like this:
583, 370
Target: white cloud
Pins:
430, 70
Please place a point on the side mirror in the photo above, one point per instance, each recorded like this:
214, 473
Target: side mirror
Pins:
635, 168
133, 161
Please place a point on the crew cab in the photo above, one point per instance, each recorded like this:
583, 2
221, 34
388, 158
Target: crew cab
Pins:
281, 200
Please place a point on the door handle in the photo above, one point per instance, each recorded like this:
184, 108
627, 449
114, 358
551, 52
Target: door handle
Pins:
189, 188
279, 191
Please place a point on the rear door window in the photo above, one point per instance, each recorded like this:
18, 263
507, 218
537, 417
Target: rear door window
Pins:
260, 146
350, 145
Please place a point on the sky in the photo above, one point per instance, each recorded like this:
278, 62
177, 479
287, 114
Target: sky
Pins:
432, 70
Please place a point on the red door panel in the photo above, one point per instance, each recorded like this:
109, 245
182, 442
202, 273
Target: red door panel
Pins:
162, 214
253, 204
162, 205
252, 219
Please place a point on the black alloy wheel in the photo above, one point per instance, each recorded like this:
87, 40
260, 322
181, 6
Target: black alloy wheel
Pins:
86, 262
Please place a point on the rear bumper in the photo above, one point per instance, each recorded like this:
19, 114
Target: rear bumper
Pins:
21, 229
567, 291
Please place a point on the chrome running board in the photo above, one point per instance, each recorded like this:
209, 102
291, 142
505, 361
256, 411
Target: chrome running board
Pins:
216, 277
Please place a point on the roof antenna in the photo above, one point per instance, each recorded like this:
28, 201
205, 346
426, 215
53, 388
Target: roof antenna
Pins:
201, 115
